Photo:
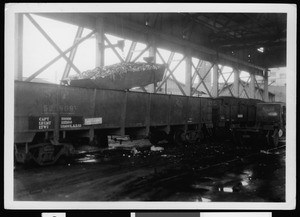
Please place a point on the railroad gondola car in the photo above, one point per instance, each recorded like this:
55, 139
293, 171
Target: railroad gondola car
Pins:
50, 119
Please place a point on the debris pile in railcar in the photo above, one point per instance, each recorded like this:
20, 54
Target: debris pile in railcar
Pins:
119, 76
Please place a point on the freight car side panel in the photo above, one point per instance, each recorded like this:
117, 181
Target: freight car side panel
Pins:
234, 109
216, 105
136, 109
242, 112
206, 111
159, 109
109, 105
76, 101
178, 112
193, 111
225, 112
31, 101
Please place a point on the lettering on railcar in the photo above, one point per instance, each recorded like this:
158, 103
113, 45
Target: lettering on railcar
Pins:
50, 109
71, 122
93, 121
41, 122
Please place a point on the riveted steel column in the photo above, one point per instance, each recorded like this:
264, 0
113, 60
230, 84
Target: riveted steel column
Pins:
266, 89
100, 50
19, 46
215, 81
152, 53
252, 87
236, 83
188, 74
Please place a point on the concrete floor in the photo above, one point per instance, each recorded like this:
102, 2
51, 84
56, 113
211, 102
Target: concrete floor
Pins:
137, 172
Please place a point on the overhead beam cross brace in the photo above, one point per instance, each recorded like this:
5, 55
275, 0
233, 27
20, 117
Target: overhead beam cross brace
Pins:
201, 80
73, 52
113, 48
244, 88
130, 52
258, 87
170, 72
59, 56
225, 84
52, 42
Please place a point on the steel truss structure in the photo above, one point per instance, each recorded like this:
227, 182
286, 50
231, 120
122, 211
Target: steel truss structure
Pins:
195, 74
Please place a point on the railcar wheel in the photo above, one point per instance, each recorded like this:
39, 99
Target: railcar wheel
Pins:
43, 155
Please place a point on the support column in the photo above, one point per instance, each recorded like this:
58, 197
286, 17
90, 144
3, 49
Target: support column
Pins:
19, 46
215, 81
188, 75
252, 87
236, 83
152, 54
99, 43
266, 89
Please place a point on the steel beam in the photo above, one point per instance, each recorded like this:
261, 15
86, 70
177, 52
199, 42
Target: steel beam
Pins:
18, 46
121, 27
100, 50
114, 49
266, 89
72, 53
130, 52
162, 37
152, 53
258, 87
236, 83
215, 81
252, 87
171, 73
51, 42
196, 68
244, 89
226, 85
141, 53
170, 59
201, 80
58, 57
188, 75
225, 82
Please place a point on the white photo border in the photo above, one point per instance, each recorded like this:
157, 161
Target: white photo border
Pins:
12, 8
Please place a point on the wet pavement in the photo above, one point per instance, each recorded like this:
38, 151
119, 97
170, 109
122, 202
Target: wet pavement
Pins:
140, 172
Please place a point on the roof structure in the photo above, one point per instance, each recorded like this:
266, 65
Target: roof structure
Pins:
255, 40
